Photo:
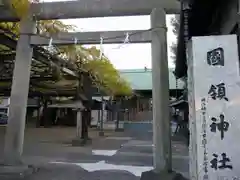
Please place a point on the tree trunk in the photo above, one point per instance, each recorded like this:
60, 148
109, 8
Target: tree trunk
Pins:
86, 117
43, 115
46, 117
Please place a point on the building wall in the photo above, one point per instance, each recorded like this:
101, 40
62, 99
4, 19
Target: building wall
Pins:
5, 101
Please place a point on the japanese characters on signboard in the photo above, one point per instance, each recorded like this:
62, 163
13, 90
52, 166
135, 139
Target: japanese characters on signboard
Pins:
215, 58
216, 87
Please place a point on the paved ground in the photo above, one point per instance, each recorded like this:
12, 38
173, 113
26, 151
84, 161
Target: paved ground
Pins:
117, 156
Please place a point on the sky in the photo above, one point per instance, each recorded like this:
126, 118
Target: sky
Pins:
125, 56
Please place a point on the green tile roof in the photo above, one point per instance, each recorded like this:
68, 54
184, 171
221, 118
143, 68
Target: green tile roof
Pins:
141, 79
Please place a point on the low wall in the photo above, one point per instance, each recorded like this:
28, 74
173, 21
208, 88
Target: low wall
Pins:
145, 126
111, 125
138, 126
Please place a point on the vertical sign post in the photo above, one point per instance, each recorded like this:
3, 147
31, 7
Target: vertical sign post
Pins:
192, 116
214, 102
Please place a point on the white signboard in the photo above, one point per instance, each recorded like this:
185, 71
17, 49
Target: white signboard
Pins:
214, 92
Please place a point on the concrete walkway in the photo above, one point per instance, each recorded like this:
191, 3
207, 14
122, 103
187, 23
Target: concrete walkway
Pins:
118, 155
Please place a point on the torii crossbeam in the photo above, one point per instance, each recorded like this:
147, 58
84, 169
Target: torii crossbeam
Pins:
95, 8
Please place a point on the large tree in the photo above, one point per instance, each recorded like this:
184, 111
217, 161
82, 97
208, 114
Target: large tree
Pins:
101, 70
175, 22
108, 78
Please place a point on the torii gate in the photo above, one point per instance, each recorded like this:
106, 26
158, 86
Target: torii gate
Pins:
94, 8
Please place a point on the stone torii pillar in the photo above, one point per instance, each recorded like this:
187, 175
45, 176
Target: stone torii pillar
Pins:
14, 137
160, 93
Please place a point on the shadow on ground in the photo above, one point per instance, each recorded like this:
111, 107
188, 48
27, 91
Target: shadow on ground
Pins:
43, 145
